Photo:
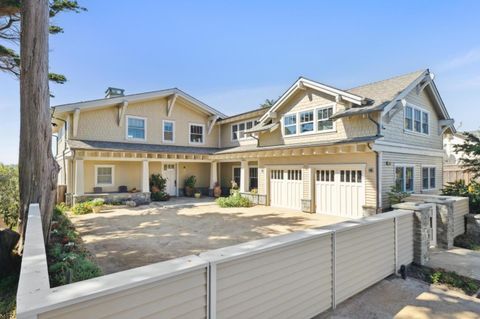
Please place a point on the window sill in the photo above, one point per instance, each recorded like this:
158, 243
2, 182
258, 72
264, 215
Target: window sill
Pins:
311, 133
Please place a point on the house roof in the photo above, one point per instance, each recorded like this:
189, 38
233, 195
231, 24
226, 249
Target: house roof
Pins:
99, 103
244, 115
381, 93
253, 147
138, 147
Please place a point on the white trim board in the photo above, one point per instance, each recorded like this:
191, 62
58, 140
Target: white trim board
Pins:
390, 147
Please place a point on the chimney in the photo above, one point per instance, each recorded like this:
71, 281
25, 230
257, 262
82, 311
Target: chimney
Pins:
113, 92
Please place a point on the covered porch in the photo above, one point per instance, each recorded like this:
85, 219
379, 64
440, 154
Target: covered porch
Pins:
120, 176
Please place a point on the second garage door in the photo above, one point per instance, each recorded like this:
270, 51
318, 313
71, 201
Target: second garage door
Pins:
286, 188
340, 190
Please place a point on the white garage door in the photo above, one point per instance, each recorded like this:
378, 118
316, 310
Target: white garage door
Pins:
286, 188
340, 190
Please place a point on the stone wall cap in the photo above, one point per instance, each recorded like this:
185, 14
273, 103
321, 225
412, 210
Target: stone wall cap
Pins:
411, 206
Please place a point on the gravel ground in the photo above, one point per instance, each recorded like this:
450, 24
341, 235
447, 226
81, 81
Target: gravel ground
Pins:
124, 238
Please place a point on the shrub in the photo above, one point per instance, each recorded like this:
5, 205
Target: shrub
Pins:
395, 195
82, 208
9, 194
472, 191
159, 196
191, 181
234, 200
98, 202
157, 183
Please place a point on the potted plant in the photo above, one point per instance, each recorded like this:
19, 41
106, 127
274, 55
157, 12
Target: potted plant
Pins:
190, 186
198, 195
97, 205
217, 190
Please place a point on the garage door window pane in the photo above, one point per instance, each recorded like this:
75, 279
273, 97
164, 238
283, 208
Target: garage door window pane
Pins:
359, 176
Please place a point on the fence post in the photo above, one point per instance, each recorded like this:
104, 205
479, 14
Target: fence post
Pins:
212, 291
334, 275
395, 226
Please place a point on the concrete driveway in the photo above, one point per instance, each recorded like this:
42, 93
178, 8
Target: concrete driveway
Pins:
463, 261
124, 238
406, 299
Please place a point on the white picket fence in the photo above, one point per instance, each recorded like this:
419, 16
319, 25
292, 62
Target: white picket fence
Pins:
297, 275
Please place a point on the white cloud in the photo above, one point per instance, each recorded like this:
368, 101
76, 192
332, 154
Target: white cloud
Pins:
240, 100
462, 60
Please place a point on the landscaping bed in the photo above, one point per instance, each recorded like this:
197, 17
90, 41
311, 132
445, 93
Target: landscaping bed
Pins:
68, 260
450, 279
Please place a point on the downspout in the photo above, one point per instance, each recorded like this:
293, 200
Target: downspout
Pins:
377, 160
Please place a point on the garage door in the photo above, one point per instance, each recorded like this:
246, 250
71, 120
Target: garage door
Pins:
340, 190
286, 188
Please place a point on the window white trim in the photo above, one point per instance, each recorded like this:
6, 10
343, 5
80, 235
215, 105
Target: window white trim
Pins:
163, 131
404, 186
430, 177
422, 110
97, 184
237, 124
190, 130
126, 127
315, 121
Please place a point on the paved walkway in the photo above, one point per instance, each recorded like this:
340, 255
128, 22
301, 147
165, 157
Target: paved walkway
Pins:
406, 299
462, 261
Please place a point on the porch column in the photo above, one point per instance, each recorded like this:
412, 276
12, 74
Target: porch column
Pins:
213, 176
145, 175
79, 175
244, 177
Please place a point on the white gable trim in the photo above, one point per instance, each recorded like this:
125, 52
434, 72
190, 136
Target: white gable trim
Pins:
100, 103
302, 84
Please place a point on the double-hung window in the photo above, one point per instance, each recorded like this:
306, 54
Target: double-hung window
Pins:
306, 122
236, 175
428, 178
290, 124
324, 123
197, 133
104, 175
136, 128
234, 132
417, 120
253, 175
404, 178
168, 131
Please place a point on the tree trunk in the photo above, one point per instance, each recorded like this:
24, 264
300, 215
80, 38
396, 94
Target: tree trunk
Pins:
38, 169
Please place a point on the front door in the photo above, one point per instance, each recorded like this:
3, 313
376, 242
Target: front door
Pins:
170, 173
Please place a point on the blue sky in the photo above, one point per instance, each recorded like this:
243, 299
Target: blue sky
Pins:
235, 55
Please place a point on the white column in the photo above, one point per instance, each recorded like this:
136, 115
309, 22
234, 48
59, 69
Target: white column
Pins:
213, 174
244, 177
79, 175
145, 177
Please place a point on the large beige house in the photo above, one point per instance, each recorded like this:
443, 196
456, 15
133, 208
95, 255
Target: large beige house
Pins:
317, 149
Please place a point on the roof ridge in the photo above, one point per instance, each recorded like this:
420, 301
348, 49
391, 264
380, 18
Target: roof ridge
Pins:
387, 79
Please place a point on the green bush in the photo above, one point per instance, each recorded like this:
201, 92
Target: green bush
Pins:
234, 200
68, 261
82, 208
191, 181
395, 195
159, 196
9, 194
472, 191
450, 278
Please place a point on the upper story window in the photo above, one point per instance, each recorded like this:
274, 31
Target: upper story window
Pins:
238, 130
290, 124
323, 118
306, 122
309, 121
428, 178
168, 131
416, 120
136, 128
197, 132
404, 178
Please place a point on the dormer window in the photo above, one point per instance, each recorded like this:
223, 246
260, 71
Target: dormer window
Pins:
306, 122
324, 121
416, 120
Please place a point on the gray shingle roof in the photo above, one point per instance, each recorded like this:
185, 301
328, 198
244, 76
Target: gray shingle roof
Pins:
139, 147
381, 93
